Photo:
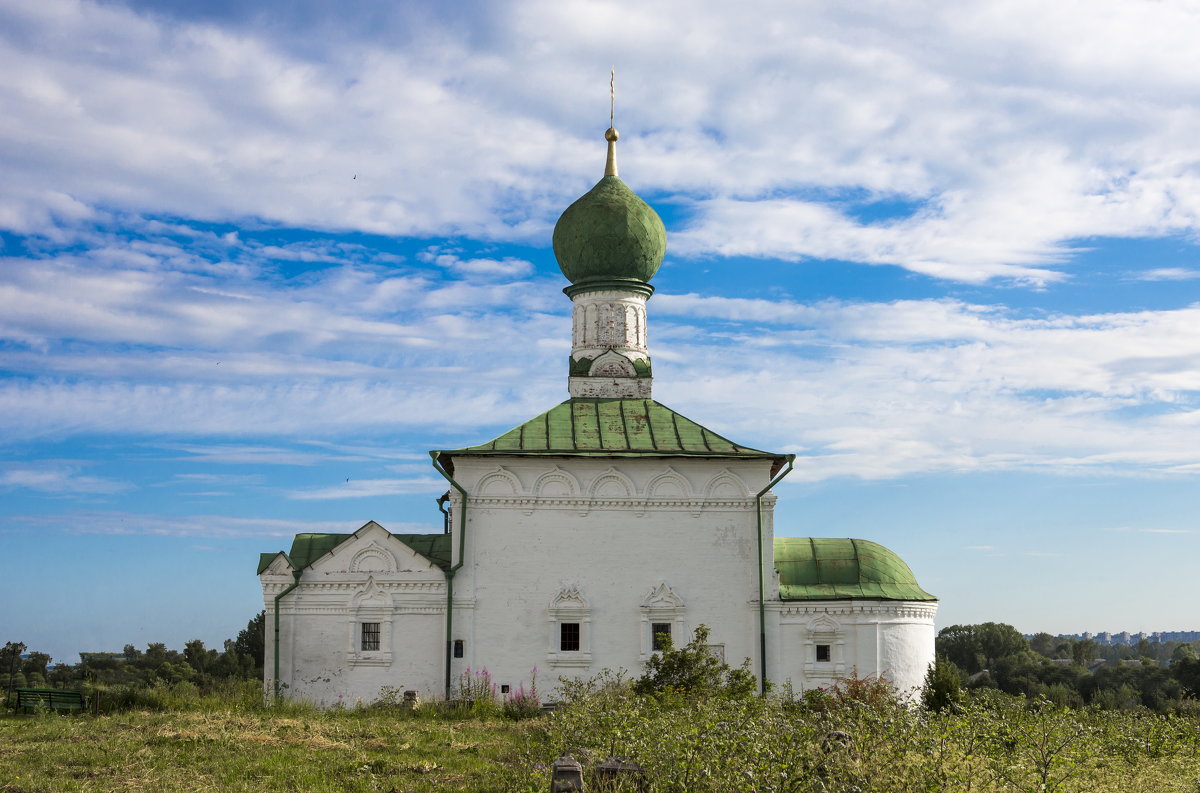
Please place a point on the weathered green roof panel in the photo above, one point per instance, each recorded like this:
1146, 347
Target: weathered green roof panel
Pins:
434, 547
812, 568
308, 548
265, 559
612, 427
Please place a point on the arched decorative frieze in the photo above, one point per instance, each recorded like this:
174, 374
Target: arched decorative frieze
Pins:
373, 559
612, 485
556, 483
500, 482
725, 485
611, 364
670, 485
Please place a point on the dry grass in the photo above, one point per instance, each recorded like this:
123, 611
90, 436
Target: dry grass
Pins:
231, 751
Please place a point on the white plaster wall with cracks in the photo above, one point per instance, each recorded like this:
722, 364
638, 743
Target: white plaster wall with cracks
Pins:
817, 642
367, 614
608, 532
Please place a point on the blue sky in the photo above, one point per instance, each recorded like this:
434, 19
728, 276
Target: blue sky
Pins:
256, 260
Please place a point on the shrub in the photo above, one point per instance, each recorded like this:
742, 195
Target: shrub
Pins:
693, 670
523, 703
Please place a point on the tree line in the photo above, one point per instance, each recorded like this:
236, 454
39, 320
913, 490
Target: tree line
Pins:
241, 658
1163, 677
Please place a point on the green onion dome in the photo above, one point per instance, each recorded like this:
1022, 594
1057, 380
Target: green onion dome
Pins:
609, 237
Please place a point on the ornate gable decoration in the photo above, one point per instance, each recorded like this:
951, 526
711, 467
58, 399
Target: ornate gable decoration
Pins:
662, 598
824, 624
372, 596
569, 597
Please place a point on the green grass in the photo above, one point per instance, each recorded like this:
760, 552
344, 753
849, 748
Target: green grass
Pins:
709, 744
290, 750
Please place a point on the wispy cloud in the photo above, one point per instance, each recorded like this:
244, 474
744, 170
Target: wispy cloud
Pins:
777, 144
58, 479
360, 488
133, 523
1167, 274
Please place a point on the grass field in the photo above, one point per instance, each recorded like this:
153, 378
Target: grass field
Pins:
256, 751
696, 745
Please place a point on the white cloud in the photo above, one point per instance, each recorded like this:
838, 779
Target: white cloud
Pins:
360, 488
1011, 129
218, 526
1168, 274
58, 479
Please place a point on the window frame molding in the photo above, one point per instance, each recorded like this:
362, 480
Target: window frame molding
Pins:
661, 604
569, 605
371, 604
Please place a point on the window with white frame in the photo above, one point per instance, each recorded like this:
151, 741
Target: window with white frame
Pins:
370, 626
662, 615
824, 651
569, 628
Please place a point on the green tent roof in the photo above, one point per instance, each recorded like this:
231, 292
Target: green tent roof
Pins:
612, 428
308, 548
836, 569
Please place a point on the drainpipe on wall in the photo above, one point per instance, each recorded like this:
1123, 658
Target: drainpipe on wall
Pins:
295, 575
762, 587
462, 535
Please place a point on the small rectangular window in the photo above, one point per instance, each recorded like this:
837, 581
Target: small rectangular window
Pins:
504, 689
823, 653
370, 636
659, 630
458, 648
569, 637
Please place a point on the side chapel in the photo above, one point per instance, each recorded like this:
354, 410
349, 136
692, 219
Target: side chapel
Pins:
574, 540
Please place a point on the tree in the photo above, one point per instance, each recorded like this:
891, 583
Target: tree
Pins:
693, 669
10, 661
977, 647
252, 640
35, 663
1044, 644
197, 657
943, 685
1085, 652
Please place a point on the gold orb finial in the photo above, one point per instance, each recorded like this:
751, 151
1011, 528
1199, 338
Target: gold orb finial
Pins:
611, 134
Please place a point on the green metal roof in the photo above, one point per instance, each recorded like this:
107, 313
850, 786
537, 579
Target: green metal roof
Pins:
434, 547
813, 568
308, 548
612, 428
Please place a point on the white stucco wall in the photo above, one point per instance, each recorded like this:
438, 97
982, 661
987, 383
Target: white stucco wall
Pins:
370, 578
604, 534
614, 544
870, 638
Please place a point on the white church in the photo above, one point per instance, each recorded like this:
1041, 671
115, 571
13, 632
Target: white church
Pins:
574, 540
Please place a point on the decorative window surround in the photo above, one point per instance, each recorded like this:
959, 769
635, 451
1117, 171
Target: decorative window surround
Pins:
661, 604
569, 606
370, 605
824, 631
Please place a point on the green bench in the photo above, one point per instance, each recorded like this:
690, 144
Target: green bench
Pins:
48, 698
